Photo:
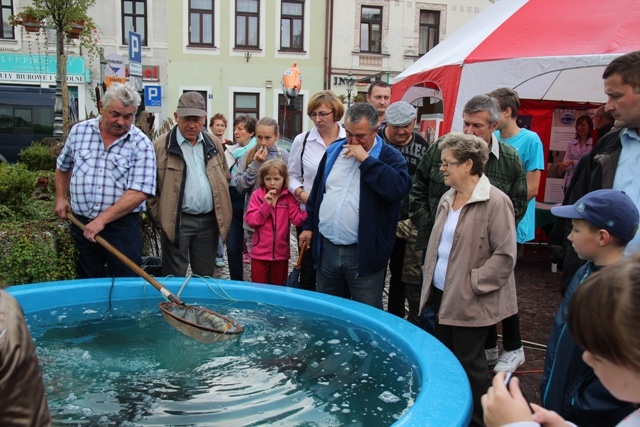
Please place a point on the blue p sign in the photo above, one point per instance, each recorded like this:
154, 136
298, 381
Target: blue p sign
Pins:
135, 51
153, 96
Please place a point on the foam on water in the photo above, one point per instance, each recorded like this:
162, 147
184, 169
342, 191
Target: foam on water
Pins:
129, 368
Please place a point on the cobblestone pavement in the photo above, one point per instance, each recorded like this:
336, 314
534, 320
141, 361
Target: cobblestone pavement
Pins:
538, 300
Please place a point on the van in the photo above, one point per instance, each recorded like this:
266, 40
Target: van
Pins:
26, 115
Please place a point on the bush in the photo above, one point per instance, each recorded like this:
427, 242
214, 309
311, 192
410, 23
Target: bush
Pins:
36, 252
34, 245
24, 194
38, 157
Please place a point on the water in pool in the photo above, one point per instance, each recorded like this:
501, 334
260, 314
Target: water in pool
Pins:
126, 367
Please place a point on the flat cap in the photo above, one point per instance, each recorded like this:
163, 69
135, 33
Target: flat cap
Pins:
400, 114
191, 104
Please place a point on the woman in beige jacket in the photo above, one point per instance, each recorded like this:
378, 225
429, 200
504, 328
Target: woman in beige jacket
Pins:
468, 269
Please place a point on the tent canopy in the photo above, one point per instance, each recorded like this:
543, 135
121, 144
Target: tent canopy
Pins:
544, 49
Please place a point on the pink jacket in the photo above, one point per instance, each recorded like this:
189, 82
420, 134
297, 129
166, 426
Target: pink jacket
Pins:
272, 225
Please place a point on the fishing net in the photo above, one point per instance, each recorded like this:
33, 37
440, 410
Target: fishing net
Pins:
200, 323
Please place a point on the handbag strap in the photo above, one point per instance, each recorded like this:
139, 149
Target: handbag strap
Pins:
304, 145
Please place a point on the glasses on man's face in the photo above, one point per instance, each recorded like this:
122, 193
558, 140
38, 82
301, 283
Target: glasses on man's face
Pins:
445, 165
321, 114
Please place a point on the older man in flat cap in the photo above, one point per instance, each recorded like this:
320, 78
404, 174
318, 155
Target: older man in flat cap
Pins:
192, 204
404, 264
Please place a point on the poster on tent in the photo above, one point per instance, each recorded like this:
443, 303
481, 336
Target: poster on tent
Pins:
563, 130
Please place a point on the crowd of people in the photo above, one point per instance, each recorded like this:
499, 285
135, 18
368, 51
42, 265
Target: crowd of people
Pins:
367, 194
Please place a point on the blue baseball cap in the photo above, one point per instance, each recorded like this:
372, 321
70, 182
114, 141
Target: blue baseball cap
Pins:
610, 210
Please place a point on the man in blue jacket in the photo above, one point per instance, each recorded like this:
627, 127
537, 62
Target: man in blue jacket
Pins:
353, 210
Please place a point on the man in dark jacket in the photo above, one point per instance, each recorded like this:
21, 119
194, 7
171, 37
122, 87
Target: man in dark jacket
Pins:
616, 160
353, 209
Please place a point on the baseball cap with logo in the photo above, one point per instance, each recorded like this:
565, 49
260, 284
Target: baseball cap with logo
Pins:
400, 114
191, 104
610, 210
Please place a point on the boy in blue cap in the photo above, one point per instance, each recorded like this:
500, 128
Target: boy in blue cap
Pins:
603, 222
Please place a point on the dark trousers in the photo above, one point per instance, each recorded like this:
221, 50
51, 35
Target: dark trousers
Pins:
307, 271
511, 339
235, 239
395, 305
467, 344
125, 234
196, 245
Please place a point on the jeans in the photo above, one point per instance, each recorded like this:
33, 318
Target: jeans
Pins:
338, 275
125, 234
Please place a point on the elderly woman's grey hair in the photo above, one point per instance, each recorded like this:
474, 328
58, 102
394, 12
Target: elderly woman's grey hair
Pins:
122, 93
360, 110
467, 147
481, 103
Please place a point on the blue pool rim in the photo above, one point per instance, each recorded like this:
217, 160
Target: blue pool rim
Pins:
445, 396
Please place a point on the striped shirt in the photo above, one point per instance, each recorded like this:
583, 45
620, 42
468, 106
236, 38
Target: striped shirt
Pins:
101, 176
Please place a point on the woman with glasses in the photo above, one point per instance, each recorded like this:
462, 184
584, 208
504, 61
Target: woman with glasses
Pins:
468, 270
325, 110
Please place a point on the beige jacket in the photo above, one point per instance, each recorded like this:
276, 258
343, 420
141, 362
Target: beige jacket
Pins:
480, 286
166, 206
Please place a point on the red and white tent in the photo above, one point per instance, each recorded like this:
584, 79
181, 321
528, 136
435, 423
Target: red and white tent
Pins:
544, 49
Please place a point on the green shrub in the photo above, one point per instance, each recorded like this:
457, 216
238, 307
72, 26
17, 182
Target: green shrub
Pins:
33, 252
24, 194
17, 184
38, 157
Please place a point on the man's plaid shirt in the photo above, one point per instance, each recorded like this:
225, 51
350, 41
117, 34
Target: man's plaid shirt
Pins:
101, 176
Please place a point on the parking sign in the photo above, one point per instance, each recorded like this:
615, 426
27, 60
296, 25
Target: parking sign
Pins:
153, 98
135, 47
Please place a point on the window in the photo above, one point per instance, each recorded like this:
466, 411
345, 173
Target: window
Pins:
429, 30
6, 11
247, 23
291, 25
371, 29
201, 23
291, 121
246, 103
134, 18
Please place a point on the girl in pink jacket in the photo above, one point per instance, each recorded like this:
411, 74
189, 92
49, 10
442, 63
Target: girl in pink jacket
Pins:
271, 211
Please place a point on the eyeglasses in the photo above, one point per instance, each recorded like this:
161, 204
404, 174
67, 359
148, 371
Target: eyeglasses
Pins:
445, 165
321, 114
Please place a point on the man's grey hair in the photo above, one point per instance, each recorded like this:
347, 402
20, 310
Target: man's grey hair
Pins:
361, 110
481, 103
122, 93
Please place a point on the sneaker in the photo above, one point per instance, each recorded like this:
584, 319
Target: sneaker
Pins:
219, 262
510, 360
492, 355
246, 259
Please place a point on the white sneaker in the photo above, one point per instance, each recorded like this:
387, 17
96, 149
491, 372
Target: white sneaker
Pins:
510, 360
492, 355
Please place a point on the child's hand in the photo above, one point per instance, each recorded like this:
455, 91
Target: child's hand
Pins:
261, 154
270, 197
504, 406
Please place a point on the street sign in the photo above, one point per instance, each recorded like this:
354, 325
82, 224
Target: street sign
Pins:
135, 69
135, 47
153, 98
115, 66
108, 80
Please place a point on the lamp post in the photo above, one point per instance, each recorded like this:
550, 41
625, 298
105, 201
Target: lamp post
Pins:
350, 80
